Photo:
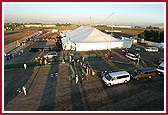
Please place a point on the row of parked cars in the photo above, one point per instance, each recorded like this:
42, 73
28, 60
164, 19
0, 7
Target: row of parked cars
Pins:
134, 55
119, 77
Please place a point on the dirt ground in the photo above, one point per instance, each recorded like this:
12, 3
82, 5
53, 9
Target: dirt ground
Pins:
59, 93
10, 37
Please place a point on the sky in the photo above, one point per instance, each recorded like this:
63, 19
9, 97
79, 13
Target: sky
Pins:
87, 13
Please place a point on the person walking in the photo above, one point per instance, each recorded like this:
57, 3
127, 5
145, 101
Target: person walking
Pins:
18, 90
83, 77
24, 90
25, 66
87, 70
76, 78
100, 74
83, 59
70, 59
45, 61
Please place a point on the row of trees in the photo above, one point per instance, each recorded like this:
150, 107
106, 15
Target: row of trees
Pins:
13, 25
152, 35
66, 24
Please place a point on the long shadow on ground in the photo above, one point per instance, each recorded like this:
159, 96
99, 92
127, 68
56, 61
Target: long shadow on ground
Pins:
77, 103
47, 102
14, 81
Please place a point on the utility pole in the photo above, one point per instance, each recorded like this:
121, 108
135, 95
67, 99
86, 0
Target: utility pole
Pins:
112, 22
90, 21
111, 31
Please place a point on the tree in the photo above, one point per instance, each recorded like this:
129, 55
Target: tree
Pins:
141, 35
151, 35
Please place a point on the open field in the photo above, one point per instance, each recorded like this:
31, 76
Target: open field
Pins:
129, 31
59, 93
13, 36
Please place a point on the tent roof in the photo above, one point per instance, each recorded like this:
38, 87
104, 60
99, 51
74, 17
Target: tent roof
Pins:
85, 34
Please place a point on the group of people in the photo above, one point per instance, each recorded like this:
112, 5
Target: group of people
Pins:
88, 69
76, 78
84, 65
9, 56
41, 60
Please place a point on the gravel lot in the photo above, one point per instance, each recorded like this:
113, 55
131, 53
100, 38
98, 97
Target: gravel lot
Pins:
58, 93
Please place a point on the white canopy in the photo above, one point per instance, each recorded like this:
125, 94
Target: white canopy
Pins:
86, 34
87, 38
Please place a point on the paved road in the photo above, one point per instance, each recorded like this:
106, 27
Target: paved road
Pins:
13, 45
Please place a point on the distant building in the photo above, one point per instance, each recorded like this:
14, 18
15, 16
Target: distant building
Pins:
40, 32
54, 30
48, 25
33, 25
66, 31
161, 27
109, 31
119, 26
39, 25
99, 25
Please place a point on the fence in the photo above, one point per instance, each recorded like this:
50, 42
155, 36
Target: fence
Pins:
32, 64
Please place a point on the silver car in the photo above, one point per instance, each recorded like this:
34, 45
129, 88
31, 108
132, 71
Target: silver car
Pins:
50, 55
151, 49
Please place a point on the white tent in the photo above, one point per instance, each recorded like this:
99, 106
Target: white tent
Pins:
87, 38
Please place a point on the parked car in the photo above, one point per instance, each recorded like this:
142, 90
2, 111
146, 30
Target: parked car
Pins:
138, 50
131, 56
143, 73
160, 69
34, 50
125, 51
50, 55
114, 78
151, 49
161, 60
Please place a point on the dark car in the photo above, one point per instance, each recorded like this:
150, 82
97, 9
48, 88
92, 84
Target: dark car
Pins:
161, 60
34, 50
125, 51
143, 73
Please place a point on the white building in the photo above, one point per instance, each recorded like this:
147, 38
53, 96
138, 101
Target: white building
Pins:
48, 25
119, 26
39, 25
33, 25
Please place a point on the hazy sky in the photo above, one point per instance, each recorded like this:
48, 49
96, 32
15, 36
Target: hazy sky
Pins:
127, 14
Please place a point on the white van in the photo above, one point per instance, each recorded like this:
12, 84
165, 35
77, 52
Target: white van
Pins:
160, 68
116, 78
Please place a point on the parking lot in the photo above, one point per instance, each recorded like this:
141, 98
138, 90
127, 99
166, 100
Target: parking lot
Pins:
60, 93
